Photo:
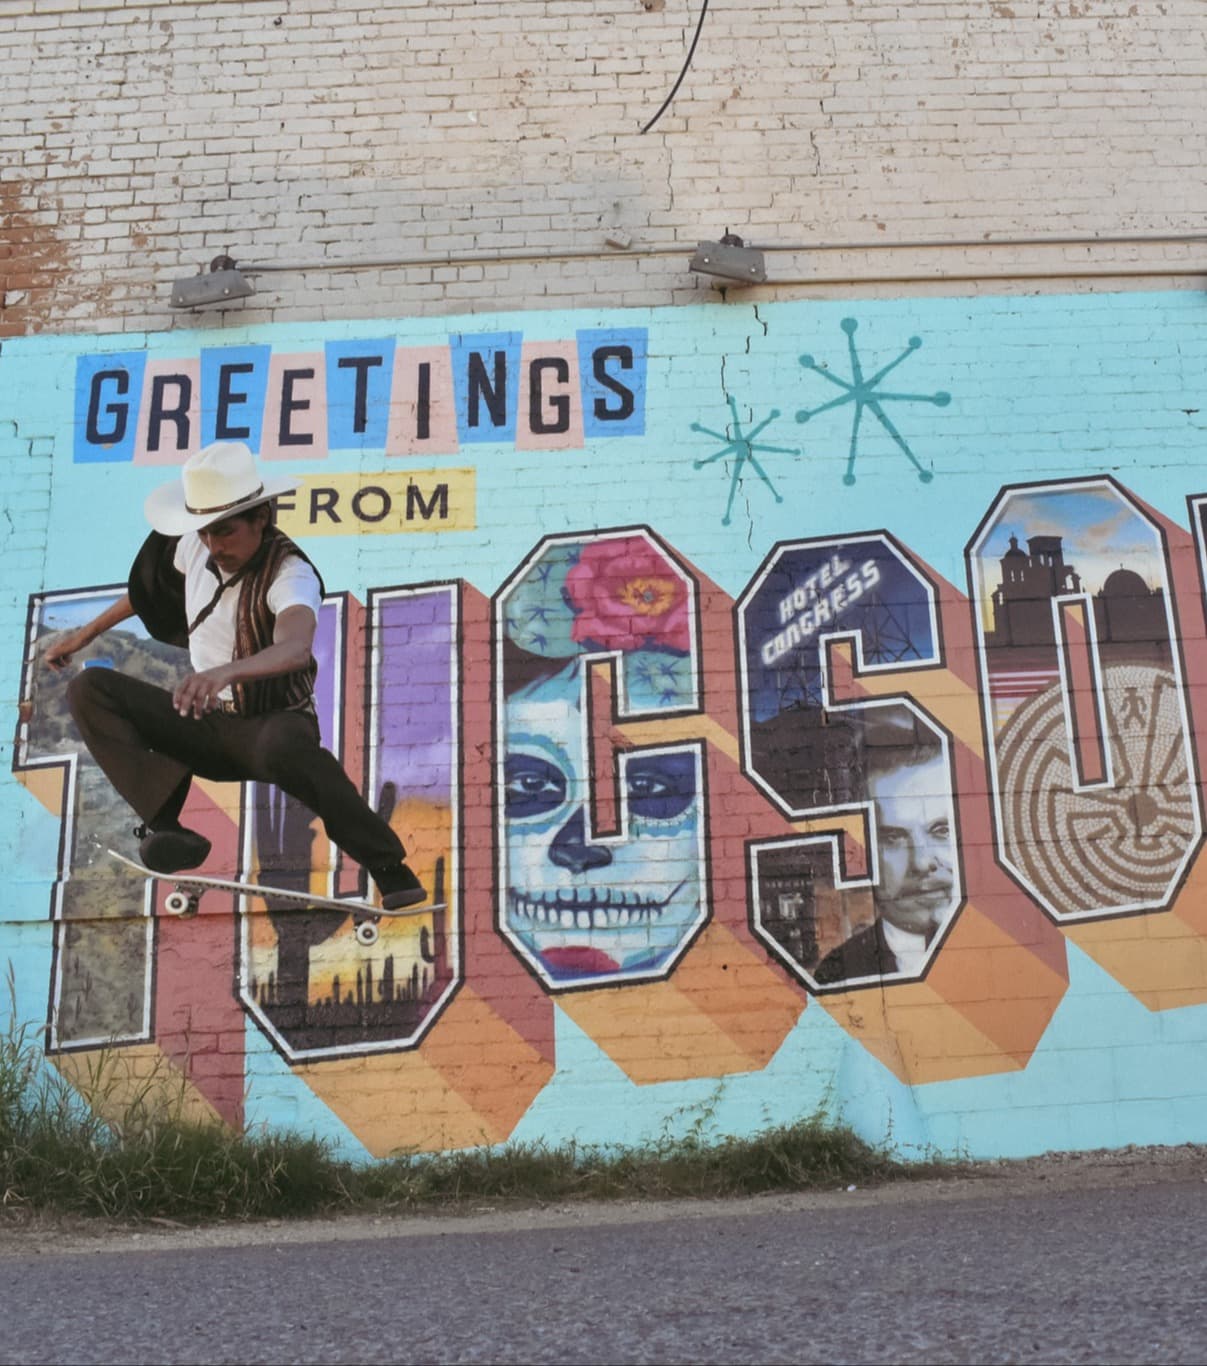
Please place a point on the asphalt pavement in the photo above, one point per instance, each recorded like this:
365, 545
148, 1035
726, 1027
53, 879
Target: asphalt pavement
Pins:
1112, 1274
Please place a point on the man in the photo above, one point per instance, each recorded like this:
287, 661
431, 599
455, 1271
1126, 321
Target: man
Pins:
215, 573
915, 886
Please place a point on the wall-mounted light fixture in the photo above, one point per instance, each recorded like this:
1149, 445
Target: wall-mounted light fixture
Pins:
730, 259
219, 285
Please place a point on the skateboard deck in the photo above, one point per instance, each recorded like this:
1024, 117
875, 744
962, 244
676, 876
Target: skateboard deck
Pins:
187, 889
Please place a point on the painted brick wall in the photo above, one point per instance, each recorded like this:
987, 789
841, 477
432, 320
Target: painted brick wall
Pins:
691, 638
143, 139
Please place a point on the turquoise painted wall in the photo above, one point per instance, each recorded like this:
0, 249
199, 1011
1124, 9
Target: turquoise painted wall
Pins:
798, 707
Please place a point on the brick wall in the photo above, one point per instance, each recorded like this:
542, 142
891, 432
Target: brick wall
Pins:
143, 139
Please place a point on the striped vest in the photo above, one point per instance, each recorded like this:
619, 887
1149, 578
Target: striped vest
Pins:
156, 590
253, 632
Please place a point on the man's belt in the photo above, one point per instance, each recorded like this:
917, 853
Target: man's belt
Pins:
230, 707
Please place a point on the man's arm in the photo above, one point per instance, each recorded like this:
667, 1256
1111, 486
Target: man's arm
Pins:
58, 653
292, 641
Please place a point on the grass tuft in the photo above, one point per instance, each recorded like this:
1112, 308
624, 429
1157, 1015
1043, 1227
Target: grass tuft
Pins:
124, 1147
809, 1155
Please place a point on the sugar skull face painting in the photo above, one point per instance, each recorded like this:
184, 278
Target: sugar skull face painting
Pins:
586, 908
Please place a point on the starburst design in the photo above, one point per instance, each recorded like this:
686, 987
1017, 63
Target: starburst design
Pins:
739, 444
863, 393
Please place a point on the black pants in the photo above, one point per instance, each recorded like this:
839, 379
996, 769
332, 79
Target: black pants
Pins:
149, 752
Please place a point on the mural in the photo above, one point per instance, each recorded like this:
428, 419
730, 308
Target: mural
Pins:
864, 394
307, 978
1097, 806
361, 394
597, 890
742, 444
104, 951
815, 756
880, 793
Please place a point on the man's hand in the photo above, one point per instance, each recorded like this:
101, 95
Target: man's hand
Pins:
292, 639
198, 693
57, 654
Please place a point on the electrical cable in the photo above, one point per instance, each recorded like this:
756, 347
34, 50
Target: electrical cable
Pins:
538, 254
691, 52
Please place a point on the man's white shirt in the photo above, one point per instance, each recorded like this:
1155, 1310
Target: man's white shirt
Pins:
213, 642
908, 949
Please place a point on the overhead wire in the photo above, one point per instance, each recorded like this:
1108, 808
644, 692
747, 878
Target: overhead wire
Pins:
691, 52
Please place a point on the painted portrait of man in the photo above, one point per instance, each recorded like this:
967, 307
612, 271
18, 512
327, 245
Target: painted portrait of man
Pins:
916, 882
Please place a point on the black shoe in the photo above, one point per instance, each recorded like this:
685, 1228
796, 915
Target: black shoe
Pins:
172, 851
398, 886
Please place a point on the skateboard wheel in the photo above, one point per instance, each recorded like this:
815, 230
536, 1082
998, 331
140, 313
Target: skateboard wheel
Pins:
366, 934
180, 903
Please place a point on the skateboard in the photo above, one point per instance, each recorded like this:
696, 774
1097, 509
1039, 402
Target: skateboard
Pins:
185, 896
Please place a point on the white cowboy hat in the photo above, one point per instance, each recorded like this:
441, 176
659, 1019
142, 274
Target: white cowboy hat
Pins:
215, 482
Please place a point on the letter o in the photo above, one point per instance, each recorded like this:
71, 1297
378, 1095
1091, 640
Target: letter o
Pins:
358, 498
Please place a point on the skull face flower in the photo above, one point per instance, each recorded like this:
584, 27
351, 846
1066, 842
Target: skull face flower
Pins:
596, 909
627, 595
